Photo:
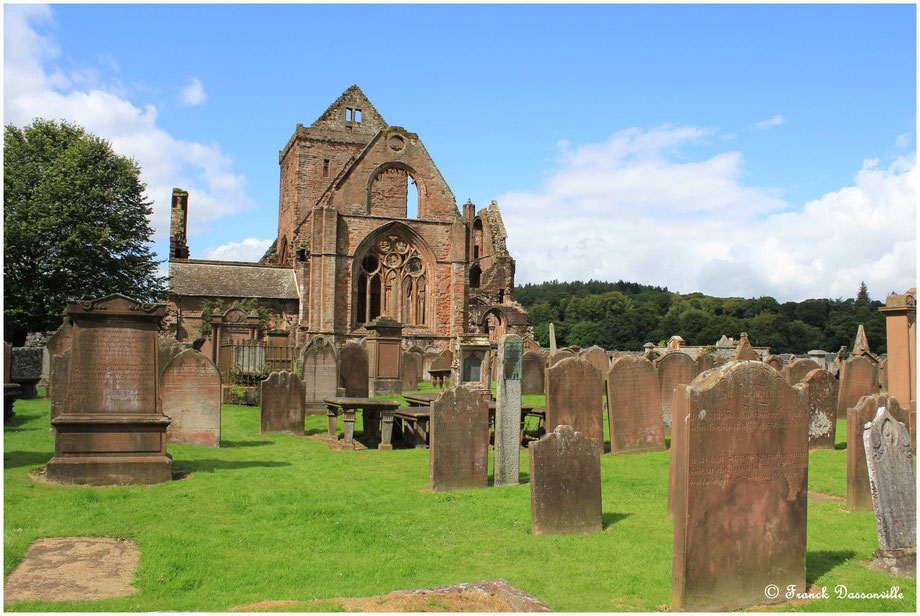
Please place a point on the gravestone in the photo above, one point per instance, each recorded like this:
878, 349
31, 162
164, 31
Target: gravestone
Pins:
859, 495
431, 353
555, 358
634, 406
282, 404
409, 376
353, 370
798, 368
552, 339
58, 383
820, 388
458, 454
384, 355
565, 483
775, 362
740, 496
190, 397
857, 378
167, 348
319, 374
883, 374
575, 397
26, 369
471, 363
58, 342
705, 361
745, 351
419, 362
598, 358
532, 377
111, 430
674, 368
508, 411
530, 345
893, 481
861, 344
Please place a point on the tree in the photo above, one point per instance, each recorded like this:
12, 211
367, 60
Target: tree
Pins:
75, 225
862, 295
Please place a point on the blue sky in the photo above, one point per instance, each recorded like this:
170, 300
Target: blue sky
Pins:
735, 150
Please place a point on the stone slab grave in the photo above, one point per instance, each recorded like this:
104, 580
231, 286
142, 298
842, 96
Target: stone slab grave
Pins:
319, 374
565, 483
575, 397
797, 369
893, 480
532, 368
111, 429
859, 494
458, 452
282, 404
353, 370
73, 569
741, 468
190, 397
674, 368
634, 406
820, 388
507, 458
496, 595
858, 377
409, 372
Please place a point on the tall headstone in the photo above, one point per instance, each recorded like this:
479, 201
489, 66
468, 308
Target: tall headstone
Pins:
741, 490
353, 370
634, 406
58, 342
575, 397
458, 453
384, 353
859, 496
857, 379
419, 361
532, 377
900, 312
674, 368
820, 388
319, 373
190, 397
745, 351
798, 368
893, 480
508, 410
565, 483
111, 430
282, 404
58, 383
409, 377
598, 358
552, 339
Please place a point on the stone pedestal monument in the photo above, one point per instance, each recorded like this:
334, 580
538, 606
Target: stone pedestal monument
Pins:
384, 352
110, 430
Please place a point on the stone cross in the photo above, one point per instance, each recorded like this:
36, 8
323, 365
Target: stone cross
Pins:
565, 483
508, 410
282, 404
893, 480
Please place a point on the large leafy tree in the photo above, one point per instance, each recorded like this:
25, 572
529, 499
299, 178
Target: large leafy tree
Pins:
75, 225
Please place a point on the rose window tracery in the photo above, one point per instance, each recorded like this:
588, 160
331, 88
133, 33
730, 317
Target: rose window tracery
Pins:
391, 282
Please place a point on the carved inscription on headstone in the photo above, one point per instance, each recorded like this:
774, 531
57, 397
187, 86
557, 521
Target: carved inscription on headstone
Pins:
744, 457
575, 397
634, 406
190, 396
893, 481
565, 483
459, 440
319, 373
110, 370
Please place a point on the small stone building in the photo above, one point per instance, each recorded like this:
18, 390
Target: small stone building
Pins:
367, 227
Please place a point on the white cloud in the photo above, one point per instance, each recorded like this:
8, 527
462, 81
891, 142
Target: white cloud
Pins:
34, 86
193, 94
771, 122
902, 140
250, 249
623, 209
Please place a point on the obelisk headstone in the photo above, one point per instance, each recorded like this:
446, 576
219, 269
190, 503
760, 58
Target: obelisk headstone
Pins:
282, 404
111, 430
552, 339
740, 498
508, 411
745, 351
634, 406
859, 495
190, 397
565, 483
893, 480
458, 453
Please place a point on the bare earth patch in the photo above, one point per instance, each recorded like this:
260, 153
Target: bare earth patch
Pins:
825, 498
73, 569
487, 596
337, 444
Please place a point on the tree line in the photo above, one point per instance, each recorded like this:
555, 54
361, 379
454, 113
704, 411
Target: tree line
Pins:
625, 315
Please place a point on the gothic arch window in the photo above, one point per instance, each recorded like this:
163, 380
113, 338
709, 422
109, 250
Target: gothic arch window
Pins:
391, 281
477, 239
475, 276
493, 323
395, 190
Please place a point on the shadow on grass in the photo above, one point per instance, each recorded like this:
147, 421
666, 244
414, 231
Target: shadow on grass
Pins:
609, 519
209, 466
819, 563
229, 444
16, 421
16, 459
842, 445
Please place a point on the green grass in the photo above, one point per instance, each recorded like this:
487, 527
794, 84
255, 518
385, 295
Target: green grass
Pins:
286, 518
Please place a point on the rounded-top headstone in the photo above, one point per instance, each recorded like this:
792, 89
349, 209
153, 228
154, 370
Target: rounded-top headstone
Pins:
190, 396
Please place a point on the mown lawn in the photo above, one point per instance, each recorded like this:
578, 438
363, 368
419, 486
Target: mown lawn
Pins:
286, 518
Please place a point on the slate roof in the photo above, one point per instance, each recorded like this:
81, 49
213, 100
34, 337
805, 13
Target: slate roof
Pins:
231, 279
